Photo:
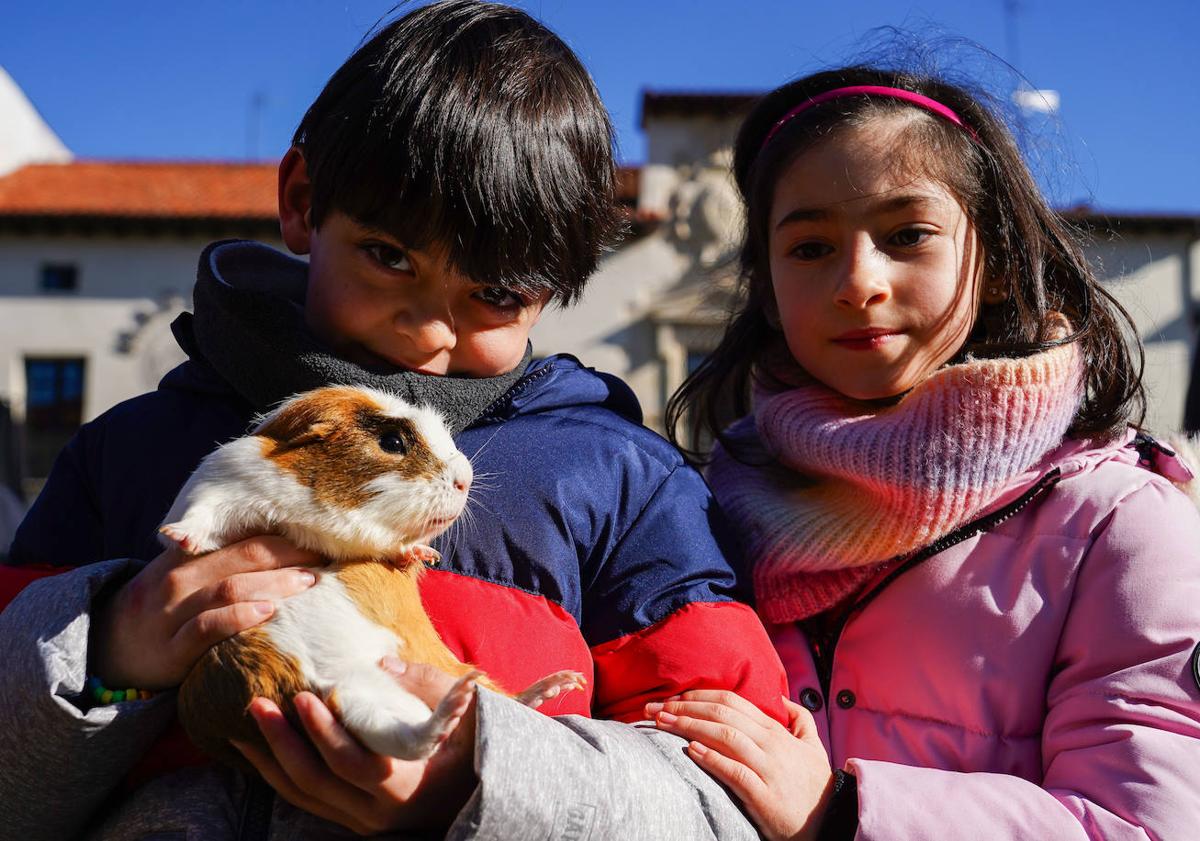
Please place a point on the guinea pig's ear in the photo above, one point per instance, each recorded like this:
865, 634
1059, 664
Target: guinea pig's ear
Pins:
316, 432
295, 426
311, 434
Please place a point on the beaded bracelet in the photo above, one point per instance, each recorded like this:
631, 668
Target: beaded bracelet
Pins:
115, 696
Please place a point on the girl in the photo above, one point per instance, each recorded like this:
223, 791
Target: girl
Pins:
982, 583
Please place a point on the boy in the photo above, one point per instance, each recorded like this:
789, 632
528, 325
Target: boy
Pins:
452, 179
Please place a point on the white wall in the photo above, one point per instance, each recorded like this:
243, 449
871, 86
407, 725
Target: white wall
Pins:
24, 136
119, 278
607, 329
1152, 278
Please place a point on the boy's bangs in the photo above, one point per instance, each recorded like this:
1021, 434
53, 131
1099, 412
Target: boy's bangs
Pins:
508, 211
470, 127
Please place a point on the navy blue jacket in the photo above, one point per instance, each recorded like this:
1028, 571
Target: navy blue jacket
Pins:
592, 545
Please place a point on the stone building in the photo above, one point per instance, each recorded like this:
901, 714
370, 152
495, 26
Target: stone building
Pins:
96, 259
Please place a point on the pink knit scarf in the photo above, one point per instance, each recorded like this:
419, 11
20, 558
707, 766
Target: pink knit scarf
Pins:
852, 486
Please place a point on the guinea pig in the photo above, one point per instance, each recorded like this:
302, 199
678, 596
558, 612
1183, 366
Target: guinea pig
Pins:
365, 480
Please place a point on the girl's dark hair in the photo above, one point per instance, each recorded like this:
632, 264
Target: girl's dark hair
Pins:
471, 126
1029, 251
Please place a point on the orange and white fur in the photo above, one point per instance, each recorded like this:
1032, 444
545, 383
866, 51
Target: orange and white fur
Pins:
365, 480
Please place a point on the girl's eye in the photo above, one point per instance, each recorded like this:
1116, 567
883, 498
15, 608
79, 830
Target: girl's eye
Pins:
388, 257
811, 250
498, 296
909, 237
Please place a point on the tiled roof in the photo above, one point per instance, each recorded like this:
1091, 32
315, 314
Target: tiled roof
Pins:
628, 184
167, 190
173, 190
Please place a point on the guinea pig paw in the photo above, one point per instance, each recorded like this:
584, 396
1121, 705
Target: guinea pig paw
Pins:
551, 686
453, 706
419, 553
186, 543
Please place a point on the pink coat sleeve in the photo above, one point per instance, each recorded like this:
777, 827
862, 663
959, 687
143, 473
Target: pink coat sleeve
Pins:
1121, 739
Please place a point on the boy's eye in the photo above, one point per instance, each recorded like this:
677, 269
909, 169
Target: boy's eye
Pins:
909, 237
388, 257
498, 296
811, 250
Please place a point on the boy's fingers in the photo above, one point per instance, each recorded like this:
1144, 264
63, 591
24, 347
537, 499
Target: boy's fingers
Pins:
303, 767
255, 554
248, 587
429, 684
344, 756
177, 584
206, 629
278, 779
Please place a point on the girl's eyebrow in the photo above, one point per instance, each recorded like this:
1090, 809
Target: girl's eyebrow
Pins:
887, 204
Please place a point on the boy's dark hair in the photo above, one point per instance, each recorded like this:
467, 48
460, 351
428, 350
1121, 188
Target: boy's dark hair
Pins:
1029, 250
471, 126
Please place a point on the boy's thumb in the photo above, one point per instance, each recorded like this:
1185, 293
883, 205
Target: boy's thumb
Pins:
424, 681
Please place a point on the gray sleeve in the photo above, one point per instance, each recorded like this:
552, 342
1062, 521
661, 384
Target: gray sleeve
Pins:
59, 762
584, 779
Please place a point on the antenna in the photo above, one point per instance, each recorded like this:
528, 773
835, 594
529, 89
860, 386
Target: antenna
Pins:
1029, 99
1011, 9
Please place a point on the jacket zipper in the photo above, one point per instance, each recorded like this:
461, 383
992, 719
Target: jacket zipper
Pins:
513, 392
823, 642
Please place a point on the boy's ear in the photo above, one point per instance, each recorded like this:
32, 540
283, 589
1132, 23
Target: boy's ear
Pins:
295, 202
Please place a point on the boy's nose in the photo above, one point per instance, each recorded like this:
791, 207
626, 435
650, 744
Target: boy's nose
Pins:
427, 333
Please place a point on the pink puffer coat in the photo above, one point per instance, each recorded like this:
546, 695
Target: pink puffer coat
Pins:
1034, 676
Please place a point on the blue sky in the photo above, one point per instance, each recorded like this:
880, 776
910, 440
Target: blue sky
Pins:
126, 79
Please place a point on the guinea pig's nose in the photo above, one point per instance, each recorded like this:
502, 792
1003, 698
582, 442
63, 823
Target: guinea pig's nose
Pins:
461, 473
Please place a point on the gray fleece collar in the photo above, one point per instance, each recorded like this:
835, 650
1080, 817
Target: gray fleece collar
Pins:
249, 326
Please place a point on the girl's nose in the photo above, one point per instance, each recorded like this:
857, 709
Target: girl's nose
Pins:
863, 279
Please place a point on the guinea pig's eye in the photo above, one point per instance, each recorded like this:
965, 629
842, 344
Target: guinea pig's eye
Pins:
391, 442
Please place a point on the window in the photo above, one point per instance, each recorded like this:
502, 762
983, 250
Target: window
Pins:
53, 409
60, 278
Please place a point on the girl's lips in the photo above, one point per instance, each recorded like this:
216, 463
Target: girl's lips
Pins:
871, 338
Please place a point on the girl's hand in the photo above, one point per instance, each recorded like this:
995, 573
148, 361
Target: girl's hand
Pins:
150, 633
782, 775
344, 782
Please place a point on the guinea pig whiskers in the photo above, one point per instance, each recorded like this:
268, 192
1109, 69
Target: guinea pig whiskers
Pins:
474, 500
450, 538
471, 458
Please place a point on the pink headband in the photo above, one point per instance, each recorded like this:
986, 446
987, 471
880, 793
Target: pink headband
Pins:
931, 105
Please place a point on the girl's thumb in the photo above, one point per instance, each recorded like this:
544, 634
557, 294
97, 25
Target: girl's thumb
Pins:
800, 720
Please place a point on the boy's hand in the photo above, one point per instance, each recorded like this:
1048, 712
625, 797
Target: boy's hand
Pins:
150, 633
344, 782
781, 775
